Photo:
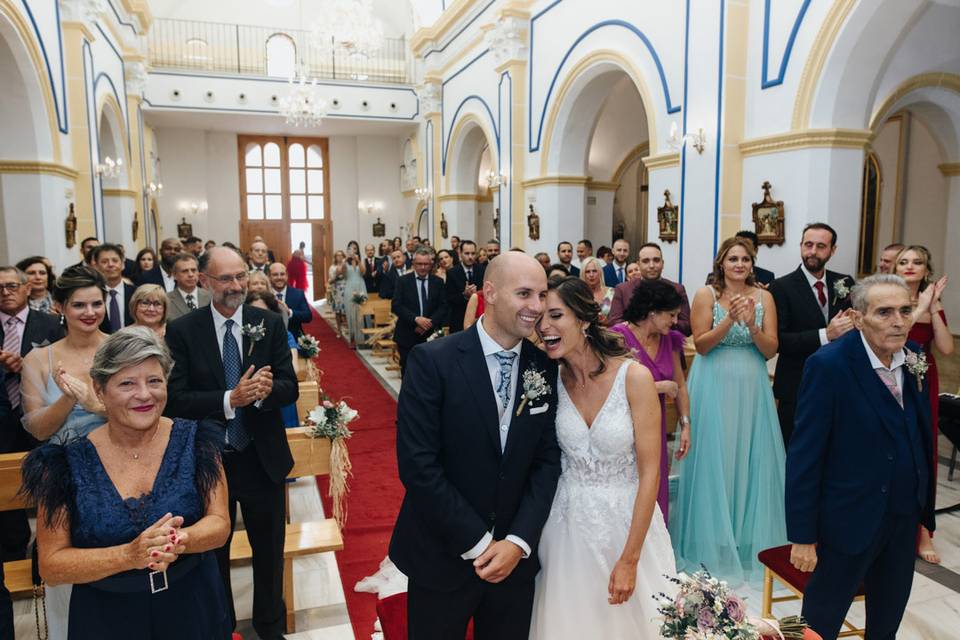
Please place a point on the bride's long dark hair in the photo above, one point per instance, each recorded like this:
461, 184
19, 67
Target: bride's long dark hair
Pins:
577, 296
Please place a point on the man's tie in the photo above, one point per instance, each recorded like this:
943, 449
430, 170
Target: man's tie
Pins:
280, 296
237, 436
821, 296
620, 274
423, 296
505, 358
11, 344
889, 379
115, 322
469, 276
190, 303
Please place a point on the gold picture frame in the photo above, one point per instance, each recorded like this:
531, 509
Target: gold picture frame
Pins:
668, 217
768, 219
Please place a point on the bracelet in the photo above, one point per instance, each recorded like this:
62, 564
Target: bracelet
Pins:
685, 420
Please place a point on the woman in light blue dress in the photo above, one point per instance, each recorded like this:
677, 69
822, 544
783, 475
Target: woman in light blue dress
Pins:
59, 404
353, 287
729, 503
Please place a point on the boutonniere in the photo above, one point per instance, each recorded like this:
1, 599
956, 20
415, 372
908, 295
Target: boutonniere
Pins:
840, 290
917, 365
254, 333
534, 387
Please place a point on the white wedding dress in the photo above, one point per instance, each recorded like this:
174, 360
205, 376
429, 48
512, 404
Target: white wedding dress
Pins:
588, 527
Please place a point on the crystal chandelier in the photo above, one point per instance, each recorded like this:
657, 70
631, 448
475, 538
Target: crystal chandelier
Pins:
302, 106
348, 25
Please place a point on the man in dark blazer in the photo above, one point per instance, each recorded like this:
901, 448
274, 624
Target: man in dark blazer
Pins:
479, 465
565, 256
108, 260
21, 330
292, 301
419, 304
859, 472
372, 270
615, 273
463, 281
650, 260
398, 267
162, 273
222, 374
811, 311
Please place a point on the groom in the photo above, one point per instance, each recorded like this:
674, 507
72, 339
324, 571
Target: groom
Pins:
480, 463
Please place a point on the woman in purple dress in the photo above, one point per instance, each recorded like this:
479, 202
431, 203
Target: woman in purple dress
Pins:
646, 331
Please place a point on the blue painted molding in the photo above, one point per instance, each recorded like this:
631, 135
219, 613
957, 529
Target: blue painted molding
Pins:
683, 148
496, 128
98, 223
671, 108
120, 20
446, 132
766, 82
460, 32
123, 72
716, 187
506, 238
63, 124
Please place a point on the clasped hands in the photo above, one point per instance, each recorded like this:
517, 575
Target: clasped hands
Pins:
159, 545
252, 387
423, 324
497, 561
742, 309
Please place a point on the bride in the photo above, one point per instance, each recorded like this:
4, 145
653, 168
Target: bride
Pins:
605, 548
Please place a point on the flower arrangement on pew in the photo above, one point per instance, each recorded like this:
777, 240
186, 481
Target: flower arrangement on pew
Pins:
308, 348
329, 420
704, 608
359, 297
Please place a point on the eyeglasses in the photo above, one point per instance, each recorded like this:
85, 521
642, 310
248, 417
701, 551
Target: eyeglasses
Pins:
10, 287
240, 278
156, 304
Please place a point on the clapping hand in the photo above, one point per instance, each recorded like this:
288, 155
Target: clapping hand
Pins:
841, 323
11, 361
78, 390
159, 545
742, 309
264, 381
937, 289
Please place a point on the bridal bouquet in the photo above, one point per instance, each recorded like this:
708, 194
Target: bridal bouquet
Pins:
330, 420
705, 609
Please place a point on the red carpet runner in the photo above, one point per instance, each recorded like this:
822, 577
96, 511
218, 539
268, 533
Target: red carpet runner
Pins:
375, 489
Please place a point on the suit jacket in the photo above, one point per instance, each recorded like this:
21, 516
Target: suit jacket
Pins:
372, 276
196, 385
297, 301
799, 321
621, 300
406, 306
456, 283
763, 276
610, 274
153, 276
459, 484
177, 306
388, 283
843, 452
575, 271
128, 290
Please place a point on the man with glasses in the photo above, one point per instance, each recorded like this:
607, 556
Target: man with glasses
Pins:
187, 296
420, 305
224, 373
108, 259
21, 329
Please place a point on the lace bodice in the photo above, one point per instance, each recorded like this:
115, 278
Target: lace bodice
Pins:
739, 334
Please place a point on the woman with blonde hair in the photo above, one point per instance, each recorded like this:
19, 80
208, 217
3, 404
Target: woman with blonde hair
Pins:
591, 272
148, 306
915, 265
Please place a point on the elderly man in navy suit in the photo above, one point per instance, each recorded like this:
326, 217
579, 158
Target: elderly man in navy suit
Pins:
859, 478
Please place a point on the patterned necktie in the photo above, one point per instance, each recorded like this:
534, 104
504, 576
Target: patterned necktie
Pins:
889, 379
620, 274
280, 297
115, 323
11, 344
190, 303
821, 296
505, 358
237, 436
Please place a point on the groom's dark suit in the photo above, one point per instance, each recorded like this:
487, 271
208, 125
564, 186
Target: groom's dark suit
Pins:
799, 321
460, 486
255, 475
858, 483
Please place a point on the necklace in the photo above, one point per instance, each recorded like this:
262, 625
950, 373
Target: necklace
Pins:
136, 454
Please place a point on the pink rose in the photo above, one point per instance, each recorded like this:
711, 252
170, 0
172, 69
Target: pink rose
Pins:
736, 609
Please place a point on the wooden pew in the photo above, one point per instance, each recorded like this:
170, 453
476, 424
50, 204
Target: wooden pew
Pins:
310, 458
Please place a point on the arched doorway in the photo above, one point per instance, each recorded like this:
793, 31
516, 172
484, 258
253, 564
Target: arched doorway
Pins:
472, 173
117, 202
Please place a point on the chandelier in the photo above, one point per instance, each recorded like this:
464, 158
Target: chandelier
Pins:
347, 25
302, 106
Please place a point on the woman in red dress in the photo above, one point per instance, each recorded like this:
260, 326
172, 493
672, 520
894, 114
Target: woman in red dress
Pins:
929, 330
297, 271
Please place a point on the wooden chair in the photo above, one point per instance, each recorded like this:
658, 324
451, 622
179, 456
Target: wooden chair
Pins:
777, 567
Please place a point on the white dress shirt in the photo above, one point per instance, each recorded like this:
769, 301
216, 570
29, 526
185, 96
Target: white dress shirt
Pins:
196, 302
824, 309
490, 347
896, 364
220, 327
121, 301
169, 284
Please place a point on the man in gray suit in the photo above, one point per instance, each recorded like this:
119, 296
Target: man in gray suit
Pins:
186, 296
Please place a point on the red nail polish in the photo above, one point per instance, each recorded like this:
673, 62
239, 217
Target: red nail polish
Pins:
152, 565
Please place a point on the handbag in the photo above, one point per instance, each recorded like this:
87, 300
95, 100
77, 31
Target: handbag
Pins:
39, 596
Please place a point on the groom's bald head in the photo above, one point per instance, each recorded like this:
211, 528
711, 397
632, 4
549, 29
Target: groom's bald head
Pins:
514, 286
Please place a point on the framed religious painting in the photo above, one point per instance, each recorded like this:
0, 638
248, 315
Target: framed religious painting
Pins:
668, 217
768, 219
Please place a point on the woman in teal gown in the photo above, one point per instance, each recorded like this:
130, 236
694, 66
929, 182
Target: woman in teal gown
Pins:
729, 503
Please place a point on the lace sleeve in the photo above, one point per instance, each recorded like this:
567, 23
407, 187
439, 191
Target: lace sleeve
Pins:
37, 417
47, 483
208, 445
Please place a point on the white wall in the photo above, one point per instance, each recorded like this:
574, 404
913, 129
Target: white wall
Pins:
925, 202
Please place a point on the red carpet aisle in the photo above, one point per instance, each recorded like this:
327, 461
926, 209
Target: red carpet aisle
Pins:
375, 490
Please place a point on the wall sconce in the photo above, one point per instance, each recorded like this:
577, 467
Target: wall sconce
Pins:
496, 180
422, 193
109, 168
153, 189
370, 207
697, 140
193, 207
